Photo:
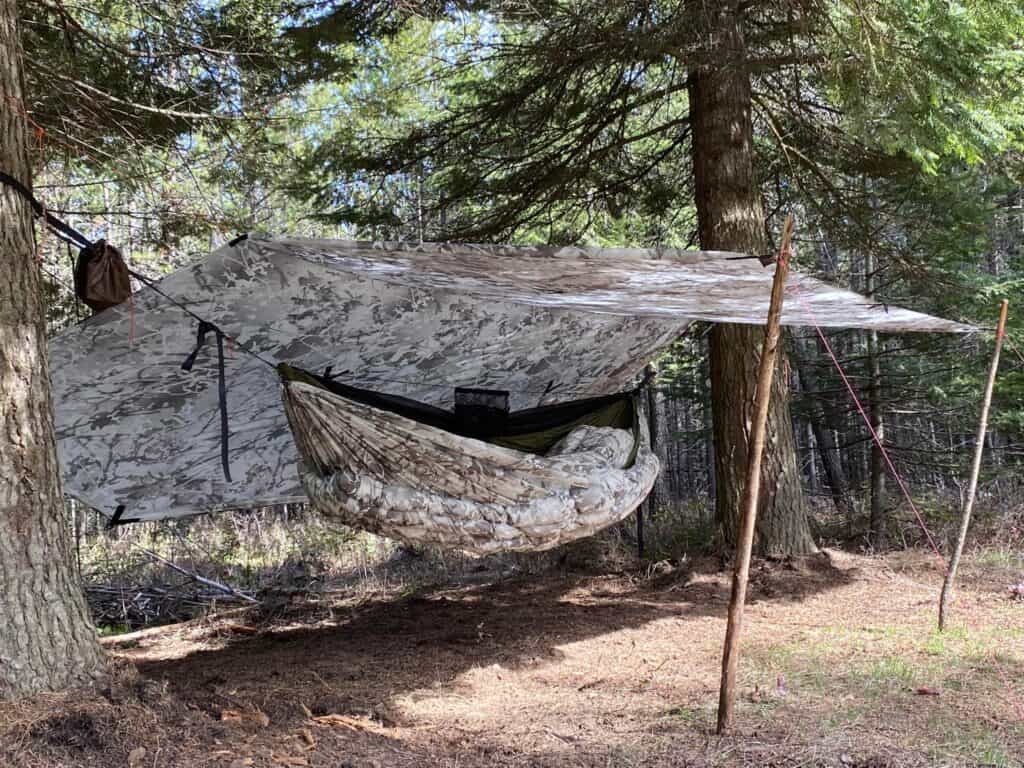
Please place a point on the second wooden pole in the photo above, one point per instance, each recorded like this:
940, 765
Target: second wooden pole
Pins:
972, 488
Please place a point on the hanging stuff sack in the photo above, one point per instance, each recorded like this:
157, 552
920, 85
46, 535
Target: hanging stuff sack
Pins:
101, 276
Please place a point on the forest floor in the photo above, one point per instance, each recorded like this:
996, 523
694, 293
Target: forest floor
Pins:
841, 666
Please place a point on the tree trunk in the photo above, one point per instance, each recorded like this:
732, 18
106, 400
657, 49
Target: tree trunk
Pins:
812, 461
731, 217
707, 424
822, 428
46, 638
879, 518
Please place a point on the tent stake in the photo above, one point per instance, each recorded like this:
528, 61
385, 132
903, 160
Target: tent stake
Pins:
972, 488
752, 486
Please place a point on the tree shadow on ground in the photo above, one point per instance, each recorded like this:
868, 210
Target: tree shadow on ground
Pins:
502, 674
366, 655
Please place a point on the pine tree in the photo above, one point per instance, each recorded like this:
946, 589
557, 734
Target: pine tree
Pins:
46, 638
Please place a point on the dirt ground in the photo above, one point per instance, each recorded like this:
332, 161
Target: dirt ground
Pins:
841, 666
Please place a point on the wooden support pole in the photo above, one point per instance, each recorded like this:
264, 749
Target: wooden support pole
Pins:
752, 486
972, 487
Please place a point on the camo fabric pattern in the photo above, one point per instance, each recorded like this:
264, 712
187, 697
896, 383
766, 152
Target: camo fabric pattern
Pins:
547, 324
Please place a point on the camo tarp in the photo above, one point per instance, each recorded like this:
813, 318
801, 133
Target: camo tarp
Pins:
546, 324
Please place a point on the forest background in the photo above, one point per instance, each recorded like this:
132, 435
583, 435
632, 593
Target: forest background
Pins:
891, 130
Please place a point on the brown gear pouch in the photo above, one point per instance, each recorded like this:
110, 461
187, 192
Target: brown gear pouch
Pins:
101, 276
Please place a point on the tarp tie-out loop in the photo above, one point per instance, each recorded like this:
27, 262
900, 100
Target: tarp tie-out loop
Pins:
330, 375
206, 327
546, 392
118, 518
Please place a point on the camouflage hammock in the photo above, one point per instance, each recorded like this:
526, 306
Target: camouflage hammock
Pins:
538, 478
142, 437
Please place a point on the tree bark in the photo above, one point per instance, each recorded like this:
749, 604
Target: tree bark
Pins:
878, 522
47, 641
731, 217
708, 421
812, 462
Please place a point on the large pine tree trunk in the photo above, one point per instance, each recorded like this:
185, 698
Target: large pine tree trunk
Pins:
731, 217
46, 638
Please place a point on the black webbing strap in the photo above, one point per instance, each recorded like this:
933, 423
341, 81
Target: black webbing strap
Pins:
204, 328
222, 387
546, 392
330, 375
74, 237
64, 231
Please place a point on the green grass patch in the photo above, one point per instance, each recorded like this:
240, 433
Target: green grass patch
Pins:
999, 558
686, 714
888, 674
863, 676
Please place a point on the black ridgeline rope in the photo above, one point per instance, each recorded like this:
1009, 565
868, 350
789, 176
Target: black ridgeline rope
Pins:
62, 230
75, 238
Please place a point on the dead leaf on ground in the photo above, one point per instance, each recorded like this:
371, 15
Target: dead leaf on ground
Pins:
136, 756
237, 716
925, 691
241, 762
307, 736
289, 760
346, 721
241, 629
